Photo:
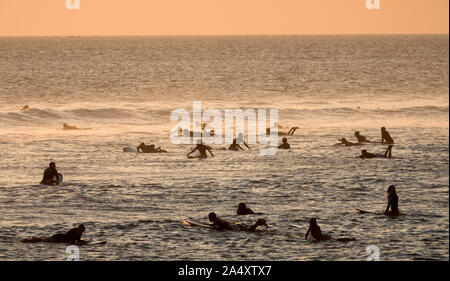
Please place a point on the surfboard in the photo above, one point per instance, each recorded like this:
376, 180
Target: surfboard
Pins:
90, 243
129, 149
359, 211
191, 223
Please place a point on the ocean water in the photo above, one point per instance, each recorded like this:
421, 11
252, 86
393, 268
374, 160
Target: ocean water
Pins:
125, 89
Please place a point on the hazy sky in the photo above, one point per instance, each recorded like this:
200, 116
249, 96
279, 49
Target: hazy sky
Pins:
203, 17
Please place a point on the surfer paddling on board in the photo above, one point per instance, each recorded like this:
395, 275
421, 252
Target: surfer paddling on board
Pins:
368, 155
202, 150
392, 202
345, 142
71, 237
314, 228
221, 224
143, 148
386, 137
243, 210
51, 176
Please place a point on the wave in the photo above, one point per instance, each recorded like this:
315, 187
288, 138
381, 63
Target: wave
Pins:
141, 114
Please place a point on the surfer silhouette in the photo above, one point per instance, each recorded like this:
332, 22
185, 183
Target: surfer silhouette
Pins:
243, 210
72, 236
285, 144
386, 137
392, 202
202, 150
361, 138
316, 233
368, 155
51, 176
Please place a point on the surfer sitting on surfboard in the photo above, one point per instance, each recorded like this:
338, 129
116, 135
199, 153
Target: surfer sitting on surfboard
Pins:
51, 176
361, 138
235, 146
72, 236
392, 202
285, 144
243, 210
202, 150
143, 148
368, 155
259, 222
314, 228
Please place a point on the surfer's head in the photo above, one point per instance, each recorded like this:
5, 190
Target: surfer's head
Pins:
52, 165
313, 221
242, 206
141, 145
284, 140
212, 216
383, 129
364, 152
343, 140
81, 228
261, 222
356, 133
391, 190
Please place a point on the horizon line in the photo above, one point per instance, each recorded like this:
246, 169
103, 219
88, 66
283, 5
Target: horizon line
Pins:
227, 35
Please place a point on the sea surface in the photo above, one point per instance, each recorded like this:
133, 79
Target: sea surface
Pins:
125, 88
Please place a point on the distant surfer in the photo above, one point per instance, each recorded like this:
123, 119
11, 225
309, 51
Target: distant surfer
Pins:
219, 223
235, 145
202, 150
51, 176
68, 127
315, 231
285, 144
361, 138
392, 202
26, 107
71, 237
289, 133
243, 210
386, 137
345, 142
252, 228
368, 155
143, 148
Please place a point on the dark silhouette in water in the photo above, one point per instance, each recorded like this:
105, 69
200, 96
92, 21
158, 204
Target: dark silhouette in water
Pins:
386, 137
392, 202
67, 127
51, 176
143, 148
259, 222
72, 236
368, 155
26, 107
345, 142
285, 144
289, 133
243, 210
202, 150
314, 228
235, 146
361, 138
219, 223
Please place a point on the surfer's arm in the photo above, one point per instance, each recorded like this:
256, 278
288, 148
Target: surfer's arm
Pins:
387, 208
307, 233
247, 145
192, 151
209, 149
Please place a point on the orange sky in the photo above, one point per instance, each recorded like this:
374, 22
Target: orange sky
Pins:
205, 17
